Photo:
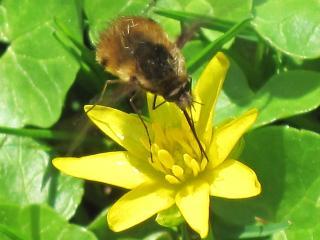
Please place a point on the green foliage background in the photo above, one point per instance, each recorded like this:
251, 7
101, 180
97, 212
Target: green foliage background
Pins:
48, 72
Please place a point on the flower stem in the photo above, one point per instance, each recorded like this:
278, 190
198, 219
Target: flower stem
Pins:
184, 232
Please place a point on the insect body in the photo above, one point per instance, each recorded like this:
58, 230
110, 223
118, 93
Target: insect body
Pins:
138, 51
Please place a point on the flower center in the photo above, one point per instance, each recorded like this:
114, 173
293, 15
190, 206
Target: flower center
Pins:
176, 154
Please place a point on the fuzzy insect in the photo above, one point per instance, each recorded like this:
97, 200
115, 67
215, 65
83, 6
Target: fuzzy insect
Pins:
137, 50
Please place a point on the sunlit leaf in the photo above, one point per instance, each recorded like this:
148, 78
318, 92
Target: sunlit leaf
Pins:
287, 164
100, 13
291, 26
40, 222
26, 176
284, 95
36, 70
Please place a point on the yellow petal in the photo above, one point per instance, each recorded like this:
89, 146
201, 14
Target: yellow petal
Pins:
125, 129
227, 136
208, 88
111, 167
138, 205
167, 115
193, 203
232, 179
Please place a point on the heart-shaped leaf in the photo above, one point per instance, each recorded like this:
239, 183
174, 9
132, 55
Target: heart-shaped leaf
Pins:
26, 176
291, 26
287, 164
284, 95
100, 13
36, 70
38, 222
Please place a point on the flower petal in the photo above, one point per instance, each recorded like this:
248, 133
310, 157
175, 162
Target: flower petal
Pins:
208, 88
125, 129
167, 115
193, 203
227, 136
138, 205
111, 167
232, 179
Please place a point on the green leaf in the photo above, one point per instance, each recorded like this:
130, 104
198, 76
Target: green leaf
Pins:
287, 164
171, 26
38, 133
212, 48
211, 14
148, 230
291, 26
230, 231
8, 233
284, 95
36, 71
288, 94
40, 222
234, 10
26, 176
100, 13
170, 217
210, 26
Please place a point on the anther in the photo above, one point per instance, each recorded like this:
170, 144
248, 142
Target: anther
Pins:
195, 167
165, 158
178, 171
203, 164
172, 179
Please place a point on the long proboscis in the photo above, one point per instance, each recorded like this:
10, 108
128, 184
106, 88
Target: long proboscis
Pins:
193, 130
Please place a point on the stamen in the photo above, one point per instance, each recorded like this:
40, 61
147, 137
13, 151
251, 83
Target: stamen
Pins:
195, 167
155, 148
187, 160
158, 133
178, 171
165, 158
174, 136
190, 144
172, 144
172, 179
203, 164
156, 164
185, 146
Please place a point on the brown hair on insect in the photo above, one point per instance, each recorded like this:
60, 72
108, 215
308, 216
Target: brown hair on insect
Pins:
138, 51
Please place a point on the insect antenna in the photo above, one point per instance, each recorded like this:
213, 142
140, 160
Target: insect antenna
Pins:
193, 101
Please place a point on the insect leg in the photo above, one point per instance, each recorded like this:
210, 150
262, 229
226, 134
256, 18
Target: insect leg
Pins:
135, 109
84, 124
187, 33
154, 105
108, 82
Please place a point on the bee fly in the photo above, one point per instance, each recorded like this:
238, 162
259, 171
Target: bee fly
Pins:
138, 51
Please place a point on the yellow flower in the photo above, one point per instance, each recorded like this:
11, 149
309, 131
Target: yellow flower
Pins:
177, 174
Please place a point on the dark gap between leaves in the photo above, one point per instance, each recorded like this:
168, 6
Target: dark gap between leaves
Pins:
3, 48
